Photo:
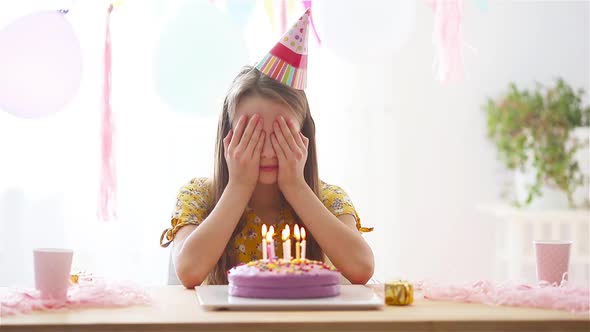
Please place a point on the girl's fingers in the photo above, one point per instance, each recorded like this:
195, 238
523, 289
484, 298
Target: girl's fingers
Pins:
295, 133
239, 131
247, 136
288, 137
227, 140
299, 139
259, 145
255, 138
278, 134
277, 147
305, 140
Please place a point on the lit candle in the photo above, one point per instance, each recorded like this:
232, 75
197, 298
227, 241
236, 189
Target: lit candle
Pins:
286, 243
264, 249
297, 244
271, 244
303, 242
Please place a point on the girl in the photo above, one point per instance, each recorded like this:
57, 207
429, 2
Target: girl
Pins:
265, 172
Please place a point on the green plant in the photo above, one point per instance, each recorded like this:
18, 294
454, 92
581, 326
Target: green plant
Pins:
532, 129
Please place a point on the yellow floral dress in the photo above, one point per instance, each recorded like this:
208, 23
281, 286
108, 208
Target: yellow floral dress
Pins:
195, 200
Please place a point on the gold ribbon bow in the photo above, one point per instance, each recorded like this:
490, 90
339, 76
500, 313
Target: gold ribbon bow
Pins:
399, 292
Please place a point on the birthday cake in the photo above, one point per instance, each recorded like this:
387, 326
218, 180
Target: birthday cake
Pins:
281, 279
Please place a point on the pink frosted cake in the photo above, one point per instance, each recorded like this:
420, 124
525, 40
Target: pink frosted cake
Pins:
280, 279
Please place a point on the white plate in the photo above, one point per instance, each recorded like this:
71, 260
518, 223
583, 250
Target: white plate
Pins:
351, 297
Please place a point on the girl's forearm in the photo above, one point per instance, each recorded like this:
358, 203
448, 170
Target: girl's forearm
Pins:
201, 250
345, 246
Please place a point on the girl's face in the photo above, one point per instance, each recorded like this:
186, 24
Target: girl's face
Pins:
268, 110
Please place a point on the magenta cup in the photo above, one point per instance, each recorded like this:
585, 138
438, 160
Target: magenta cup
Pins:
52, 272
553, 258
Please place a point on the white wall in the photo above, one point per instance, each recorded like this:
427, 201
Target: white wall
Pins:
433, 164
515, 41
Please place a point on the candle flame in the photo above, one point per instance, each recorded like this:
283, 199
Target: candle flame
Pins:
271, 232
263, 230
302, 233
296, 232
286, 233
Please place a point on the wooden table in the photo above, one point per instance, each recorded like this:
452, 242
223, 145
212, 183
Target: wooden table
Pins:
177, 309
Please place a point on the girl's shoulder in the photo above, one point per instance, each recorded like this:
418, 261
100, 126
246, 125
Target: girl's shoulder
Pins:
193, 203
339, 203
328, 191
199, 189
199, 182
336, 199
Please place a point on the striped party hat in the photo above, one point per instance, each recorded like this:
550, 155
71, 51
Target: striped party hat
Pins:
287, 61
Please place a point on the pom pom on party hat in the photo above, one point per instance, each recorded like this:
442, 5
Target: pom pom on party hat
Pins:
287, 60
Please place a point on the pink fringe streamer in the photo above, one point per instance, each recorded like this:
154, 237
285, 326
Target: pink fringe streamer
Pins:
447, 38
87, 293
108, 181
307, 5
546, 296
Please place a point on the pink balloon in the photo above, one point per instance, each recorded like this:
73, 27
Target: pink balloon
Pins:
40, 64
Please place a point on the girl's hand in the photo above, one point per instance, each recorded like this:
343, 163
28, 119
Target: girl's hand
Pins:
291, 149
242, 150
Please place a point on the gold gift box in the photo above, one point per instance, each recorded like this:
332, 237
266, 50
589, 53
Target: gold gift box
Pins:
399, 293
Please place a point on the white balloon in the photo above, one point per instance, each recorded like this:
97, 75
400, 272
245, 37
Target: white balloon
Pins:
364, 30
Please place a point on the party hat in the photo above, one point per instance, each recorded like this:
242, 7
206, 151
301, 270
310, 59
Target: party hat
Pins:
287, 60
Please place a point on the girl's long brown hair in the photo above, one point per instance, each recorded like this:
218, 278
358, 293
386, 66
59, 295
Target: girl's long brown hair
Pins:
250, 82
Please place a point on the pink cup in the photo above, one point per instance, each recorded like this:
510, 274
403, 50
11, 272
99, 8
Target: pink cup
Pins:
553, 258
52, 273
